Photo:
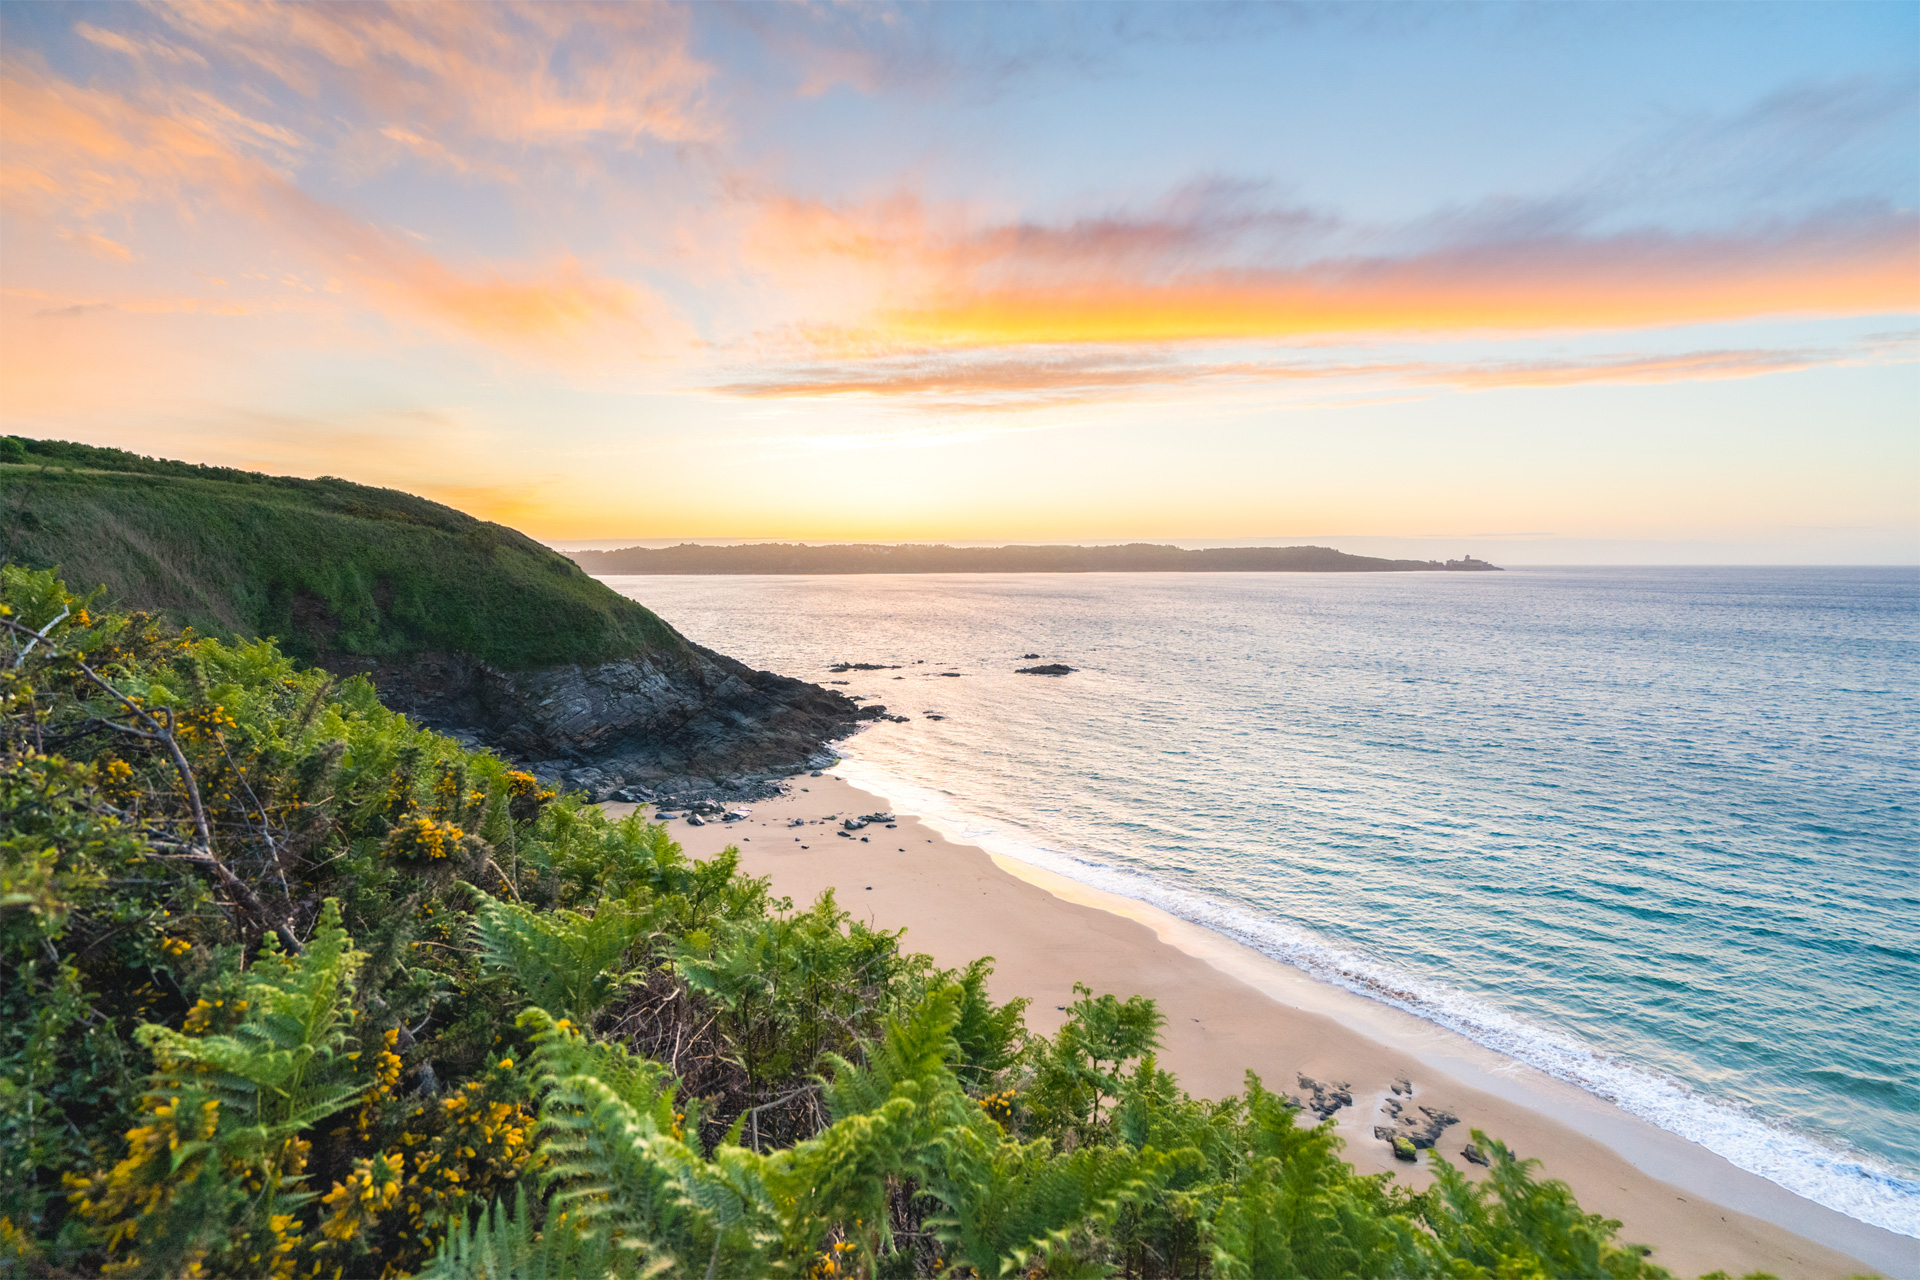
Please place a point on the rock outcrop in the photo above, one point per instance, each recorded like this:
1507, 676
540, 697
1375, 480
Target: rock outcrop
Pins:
669, 721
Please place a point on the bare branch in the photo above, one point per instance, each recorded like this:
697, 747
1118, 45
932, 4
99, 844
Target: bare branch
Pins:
38, 636
203, 855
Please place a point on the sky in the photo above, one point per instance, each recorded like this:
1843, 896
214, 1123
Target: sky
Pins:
1548, 282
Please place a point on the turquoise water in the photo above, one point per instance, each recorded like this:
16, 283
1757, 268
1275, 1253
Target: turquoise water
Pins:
1652, 830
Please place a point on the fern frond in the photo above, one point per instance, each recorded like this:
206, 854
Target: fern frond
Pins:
1011, 1203
276, 1069
505, 1246
619, 1171
566, 962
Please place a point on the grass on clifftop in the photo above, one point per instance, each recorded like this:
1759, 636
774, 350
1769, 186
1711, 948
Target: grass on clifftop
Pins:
327, 566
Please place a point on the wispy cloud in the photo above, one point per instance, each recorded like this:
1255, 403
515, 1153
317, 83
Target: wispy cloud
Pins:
82, 151
1037, 378
1114, 280
98, 245
506, 72
1847, 265
139, 47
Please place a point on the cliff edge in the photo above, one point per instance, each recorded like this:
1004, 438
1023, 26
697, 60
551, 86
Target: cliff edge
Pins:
469, 626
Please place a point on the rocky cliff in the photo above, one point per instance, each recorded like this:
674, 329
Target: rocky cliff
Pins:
660, 723
470, 626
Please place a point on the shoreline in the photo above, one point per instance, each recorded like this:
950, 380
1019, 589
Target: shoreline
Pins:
1231, 1008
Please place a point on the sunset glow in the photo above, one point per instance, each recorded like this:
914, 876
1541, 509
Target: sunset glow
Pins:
647, 271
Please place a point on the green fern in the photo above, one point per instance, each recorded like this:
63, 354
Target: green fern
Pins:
621, 1171
504, 1245
566, 962
1012, 1204
235, 1104
1508, 1224
279, 1068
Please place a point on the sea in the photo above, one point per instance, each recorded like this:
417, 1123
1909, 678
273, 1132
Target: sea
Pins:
1650, 830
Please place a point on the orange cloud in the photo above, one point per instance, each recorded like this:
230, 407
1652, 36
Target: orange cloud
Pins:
485, 70
1188, 271
1693, 366
98, 245
1047, 378
79, 151
438, 153
136, 47
1620, 282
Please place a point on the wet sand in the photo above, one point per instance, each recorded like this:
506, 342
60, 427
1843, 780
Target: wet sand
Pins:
1230, 1009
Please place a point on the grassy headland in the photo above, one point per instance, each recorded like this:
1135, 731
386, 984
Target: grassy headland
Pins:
868, 557
465, 625
328, 567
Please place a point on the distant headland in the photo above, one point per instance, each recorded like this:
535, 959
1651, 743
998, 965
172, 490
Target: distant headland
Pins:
869, 557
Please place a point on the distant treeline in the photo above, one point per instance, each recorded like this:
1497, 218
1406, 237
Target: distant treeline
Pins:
867, 557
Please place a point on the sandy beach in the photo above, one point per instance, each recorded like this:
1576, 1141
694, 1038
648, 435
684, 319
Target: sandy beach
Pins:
1230, 1009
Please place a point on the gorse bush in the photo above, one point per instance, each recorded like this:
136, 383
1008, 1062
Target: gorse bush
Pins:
293, 987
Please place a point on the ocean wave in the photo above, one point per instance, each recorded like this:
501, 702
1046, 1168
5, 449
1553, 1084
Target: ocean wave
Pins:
1847, 1182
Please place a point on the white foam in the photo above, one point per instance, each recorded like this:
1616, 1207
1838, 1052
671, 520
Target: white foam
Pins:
1847, 1182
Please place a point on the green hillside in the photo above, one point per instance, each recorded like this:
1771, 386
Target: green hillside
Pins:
329, 567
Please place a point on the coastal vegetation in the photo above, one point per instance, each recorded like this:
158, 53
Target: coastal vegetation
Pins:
296, 987
1133, 557
330, 568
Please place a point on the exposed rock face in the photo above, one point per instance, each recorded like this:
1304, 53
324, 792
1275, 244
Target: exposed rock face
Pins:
674, 720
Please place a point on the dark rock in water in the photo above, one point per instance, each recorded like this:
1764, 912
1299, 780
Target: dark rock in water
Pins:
1029, 657
1050, 669
1404, 1150
932, 716
955, 674
1327, 1098
863, 666
1403, 1085
1475, 1155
